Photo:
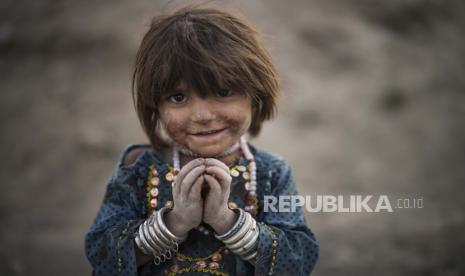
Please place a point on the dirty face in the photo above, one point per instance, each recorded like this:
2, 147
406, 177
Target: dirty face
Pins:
209, 124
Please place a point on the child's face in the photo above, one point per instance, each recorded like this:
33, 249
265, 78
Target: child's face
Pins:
187, 116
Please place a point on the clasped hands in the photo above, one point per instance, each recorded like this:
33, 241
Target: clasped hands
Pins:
190, 208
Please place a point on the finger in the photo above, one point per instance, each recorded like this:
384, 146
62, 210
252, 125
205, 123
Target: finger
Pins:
190, 179
185, 170
216, 162
195, 191
215, 188
223, 177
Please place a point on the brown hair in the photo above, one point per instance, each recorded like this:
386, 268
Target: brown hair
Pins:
208, 49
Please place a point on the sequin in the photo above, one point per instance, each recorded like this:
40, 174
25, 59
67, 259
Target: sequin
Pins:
201, 264
213, 265
247, 185
169, 176
241, 168
234, 172
154, 172
216, 257
169, 204
246, 175
153, 203
154, 192
155, 181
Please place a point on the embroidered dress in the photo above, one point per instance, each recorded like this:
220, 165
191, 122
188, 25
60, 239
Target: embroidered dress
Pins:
286, 246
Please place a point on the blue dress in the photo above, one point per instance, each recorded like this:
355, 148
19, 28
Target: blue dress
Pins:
286, 245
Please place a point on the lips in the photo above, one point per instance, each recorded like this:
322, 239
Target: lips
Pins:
208, 132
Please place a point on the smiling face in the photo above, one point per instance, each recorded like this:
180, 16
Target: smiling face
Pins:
209, 124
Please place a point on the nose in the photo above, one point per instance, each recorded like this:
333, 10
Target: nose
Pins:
203, 110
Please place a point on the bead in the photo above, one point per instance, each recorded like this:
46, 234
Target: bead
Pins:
153, 203
232, 205
250, 197
155, 181
226, 251
154, 192
169, 176
216, 257
252, 193
200, 264
247, 186
234, 172
213, 265
154, 172
169, 204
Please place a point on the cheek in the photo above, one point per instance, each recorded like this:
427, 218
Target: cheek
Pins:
239, 117
172, 122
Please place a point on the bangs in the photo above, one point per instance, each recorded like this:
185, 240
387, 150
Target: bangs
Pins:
202, 54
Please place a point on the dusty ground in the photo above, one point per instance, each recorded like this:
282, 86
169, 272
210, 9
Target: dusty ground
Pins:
374, 104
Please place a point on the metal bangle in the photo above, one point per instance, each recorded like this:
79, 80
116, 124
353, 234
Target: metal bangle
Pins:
245, 240
251, 256
153, 245
155, 233
163, 237
145, 244
235, 227
151, 240
249, 245
165, 229
244, 229
140, 246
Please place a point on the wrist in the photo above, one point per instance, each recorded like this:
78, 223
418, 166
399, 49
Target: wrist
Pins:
174, 223
226, 222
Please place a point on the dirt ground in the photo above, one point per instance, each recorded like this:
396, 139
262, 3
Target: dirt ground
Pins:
373, 104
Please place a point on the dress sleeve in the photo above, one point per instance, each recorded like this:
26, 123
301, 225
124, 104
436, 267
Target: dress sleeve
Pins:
286, 245
109, 244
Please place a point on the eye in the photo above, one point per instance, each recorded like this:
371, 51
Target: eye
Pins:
225, 93
177, 98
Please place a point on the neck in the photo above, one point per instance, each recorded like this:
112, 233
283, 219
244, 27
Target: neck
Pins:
229, 159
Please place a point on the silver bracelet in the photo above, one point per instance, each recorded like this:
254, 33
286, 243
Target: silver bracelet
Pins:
243, 241
145, 244
139, 244
235, 227
157, 249
165, 229
251, 256
163, 237
244, 229
252, 244
155, 233
244, 246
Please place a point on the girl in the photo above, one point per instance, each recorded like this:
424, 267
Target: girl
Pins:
192, 201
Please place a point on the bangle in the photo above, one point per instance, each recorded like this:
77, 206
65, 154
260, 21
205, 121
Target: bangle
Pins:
242, 231
251, 256
248, 237
165, 229
237, 225
157, 235
248, 246
139, 244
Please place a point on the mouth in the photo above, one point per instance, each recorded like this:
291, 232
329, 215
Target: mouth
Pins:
212, 133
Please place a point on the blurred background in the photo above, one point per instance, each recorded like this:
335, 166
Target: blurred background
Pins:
373, 104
